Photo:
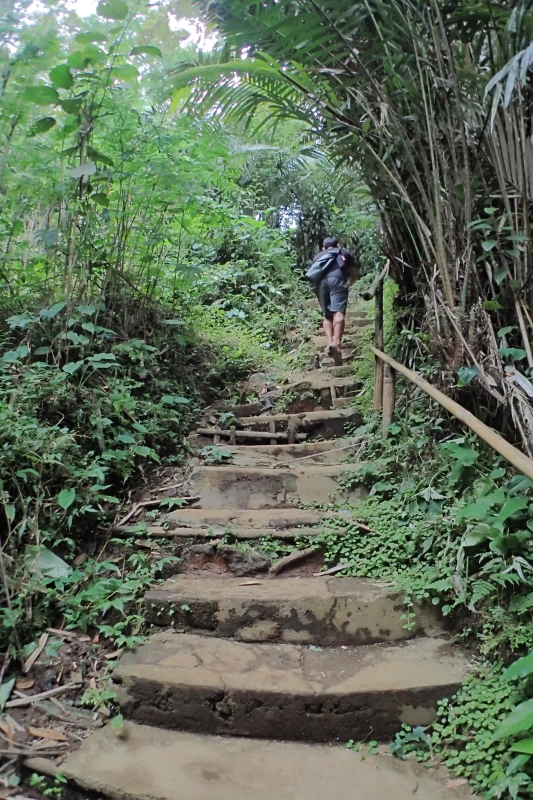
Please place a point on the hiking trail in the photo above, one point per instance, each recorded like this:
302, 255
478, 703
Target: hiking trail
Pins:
252, 686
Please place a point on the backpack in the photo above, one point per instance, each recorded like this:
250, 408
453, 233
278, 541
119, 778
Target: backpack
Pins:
324, 262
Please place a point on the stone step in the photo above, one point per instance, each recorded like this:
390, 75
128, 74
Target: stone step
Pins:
220, 518
254, 488
152, 764
237, 533
285, 691
328, 424
316, 610
332, 451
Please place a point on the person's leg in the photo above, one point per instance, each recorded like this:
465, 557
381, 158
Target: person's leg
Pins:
327, 324
338, 328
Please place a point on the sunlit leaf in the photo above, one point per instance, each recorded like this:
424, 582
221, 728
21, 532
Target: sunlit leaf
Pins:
112, 9
87, 168
520, 719
66, 497
42, 95
41, 126
61, 77
148, 50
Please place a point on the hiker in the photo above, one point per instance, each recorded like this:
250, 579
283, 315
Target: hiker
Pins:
333, 271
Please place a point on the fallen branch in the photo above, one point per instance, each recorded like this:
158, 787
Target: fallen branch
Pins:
28, 699
167, 488
332, 570
36, 653
297, 555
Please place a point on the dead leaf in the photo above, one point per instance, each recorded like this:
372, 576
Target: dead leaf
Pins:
55, 734
76, 677
80, 558
453, 784
114, 654
250, 583
24, 683
36, 653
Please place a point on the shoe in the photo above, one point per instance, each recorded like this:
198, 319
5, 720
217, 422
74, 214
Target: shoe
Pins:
335, 354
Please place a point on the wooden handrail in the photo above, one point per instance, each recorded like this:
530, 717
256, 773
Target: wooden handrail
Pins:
376, 291
515, 457
378, 280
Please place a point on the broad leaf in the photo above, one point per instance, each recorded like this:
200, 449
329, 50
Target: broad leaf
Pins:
61, 77
148, 50
113, 9
520, 719
126, 73
505, 331
465, 455
523, 746
466, 375
42, 95
500, 274
519, 668
97, 156
66, 497
101, 199
90, 36
489, 244
516, 353
41, 560
88, 168
5, 690
41, 126
53, 311
72, 367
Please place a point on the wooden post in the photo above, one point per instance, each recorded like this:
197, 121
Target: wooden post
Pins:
378, 343
216, 438
389, 398
272, 429
232, 434
291, 431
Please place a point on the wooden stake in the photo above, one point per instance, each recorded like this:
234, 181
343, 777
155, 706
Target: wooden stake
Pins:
291, 431
389, 397
378, 341
272, 429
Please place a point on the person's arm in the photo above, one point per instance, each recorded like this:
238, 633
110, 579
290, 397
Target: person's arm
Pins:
353, 274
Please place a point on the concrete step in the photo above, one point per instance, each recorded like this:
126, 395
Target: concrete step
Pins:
328, 424
237, 533
153, 764
221, 518
316, 610
284, 691
333, 451
255, 488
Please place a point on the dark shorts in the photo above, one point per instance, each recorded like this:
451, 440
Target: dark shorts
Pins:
332, 295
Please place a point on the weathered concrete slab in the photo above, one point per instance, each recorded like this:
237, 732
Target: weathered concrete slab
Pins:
283, 691
316, 610
221, 518
333, 451
256, 488
152, 764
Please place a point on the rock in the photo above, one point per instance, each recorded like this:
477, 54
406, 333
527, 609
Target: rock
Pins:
241, 562
202, 549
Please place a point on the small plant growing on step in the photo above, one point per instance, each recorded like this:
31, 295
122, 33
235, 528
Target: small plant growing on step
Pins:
211, 454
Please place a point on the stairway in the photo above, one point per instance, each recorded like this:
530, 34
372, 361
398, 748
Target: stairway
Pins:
246, 686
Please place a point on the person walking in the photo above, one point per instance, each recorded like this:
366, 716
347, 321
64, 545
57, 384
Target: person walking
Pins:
333, 271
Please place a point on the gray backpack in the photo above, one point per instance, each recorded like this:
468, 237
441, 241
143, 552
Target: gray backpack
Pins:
325, 261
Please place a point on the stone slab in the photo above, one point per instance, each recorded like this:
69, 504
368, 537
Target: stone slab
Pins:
333, 451
284, 691
152, 764
311, 610
257, 488
329, 424
212, 518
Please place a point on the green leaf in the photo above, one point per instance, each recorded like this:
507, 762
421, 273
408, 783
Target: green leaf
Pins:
90, 36
96, 156
500, 274
126, 73
141, 450
516, 353
492, 305
101, 199
489, 244
61, 77
53, 311
113, 9
173, 321
519, 669
41, 126
87, 168
466, 375
520, 719
42, 95
148, 50
5, 690
465, 455
510, 507
478, 509
41, 560
103, 357
72, 367
71, 105
66, 497
172, 399
505, 331
523, 746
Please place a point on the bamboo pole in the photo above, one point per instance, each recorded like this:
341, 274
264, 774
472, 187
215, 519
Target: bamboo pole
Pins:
378, 341
389, 398
508, 451
370, 293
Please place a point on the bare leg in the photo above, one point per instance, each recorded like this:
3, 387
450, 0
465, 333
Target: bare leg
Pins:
338, 328
327, 324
